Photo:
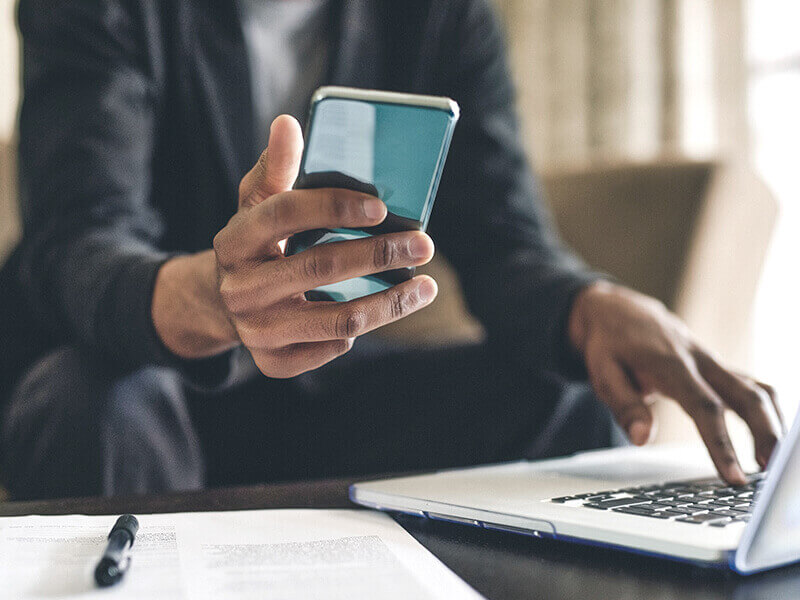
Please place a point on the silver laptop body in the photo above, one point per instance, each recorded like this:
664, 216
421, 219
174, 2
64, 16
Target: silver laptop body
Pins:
529, 497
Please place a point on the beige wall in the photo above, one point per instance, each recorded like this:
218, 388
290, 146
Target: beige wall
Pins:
623, 80
9, 69
9, 96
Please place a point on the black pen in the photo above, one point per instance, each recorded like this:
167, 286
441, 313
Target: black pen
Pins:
116, 558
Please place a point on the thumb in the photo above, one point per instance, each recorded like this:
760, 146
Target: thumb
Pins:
278, 166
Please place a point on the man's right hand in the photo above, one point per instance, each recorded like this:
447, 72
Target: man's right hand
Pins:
259, 292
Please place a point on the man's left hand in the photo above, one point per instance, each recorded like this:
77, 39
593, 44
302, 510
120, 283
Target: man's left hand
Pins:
633, 346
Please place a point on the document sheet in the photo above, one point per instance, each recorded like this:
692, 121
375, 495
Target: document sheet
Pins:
287, 554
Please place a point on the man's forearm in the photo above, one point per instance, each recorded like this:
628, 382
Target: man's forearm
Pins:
187, 311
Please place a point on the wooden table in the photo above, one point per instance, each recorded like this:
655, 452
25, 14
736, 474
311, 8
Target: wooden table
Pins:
499, 565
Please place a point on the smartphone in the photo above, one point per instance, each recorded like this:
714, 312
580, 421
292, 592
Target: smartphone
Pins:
386, 144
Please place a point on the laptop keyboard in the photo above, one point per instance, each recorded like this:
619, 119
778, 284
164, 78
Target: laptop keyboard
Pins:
701, 502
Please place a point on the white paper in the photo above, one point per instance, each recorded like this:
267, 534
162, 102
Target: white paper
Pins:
287, 554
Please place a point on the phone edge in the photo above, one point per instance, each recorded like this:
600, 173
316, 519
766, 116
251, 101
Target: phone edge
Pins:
438, 102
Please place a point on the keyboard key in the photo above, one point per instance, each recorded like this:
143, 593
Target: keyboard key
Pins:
721, 523
659, 495
699, 519
629, 501
727, 503
686, 510
670, 503
597, 498
681, 502
675, 512
727, 513
563, 499
699, 507
718, 496
635, 510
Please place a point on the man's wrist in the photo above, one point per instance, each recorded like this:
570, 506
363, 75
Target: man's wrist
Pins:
187, 311
580, 315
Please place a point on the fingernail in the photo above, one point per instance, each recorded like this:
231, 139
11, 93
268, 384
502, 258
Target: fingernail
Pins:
639, 432
420, 246
374, 209
427, 290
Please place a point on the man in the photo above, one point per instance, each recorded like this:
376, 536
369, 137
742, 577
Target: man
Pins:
183, 351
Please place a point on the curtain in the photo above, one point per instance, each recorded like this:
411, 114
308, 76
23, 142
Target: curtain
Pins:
605, 80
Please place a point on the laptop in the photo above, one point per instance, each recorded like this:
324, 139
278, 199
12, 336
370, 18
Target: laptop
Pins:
658, 500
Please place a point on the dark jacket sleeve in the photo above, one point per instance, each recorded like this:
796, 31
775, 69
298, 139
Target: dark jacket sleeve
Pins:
489, 219
90, 255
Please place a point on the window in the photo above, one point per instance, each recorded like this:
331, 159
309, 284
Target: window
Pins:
774, 117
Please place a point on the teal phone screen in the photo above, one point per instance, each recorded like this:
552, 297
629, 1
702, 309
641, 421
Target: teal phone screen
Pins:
393, 151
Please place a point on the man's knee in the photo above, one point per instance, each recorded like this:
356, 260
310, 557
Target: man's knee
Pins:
58, 394
149, 440
70, 424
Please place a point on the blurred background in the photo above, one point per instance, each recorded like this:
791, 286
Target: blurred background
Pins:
655, 81
666, 134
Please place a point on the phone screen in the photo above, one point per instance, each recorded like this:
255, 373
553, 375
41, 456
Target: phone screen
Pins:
393, 151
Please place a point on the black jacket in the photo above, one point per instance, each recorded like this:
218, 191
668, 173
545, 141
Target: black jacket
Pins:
136, 127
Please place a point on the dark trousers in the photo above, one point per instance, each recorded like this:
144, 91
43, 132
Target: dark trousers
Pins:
72, 428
